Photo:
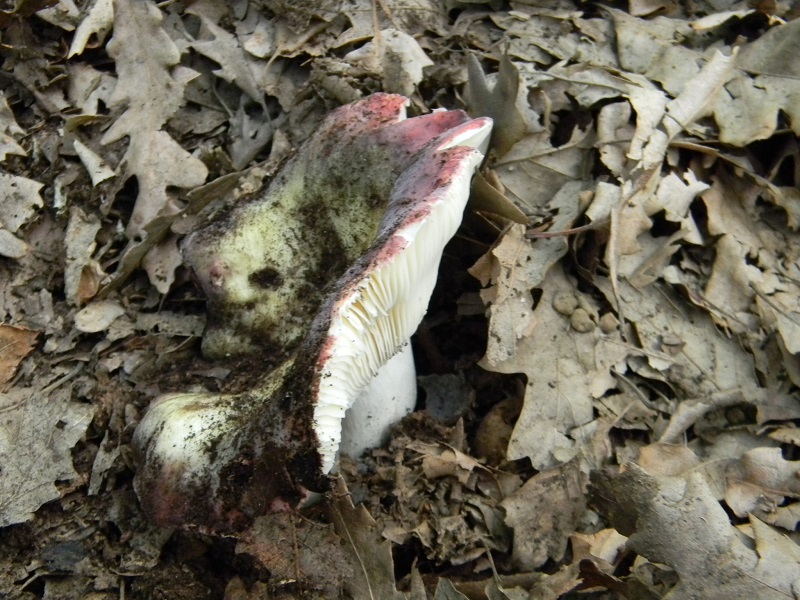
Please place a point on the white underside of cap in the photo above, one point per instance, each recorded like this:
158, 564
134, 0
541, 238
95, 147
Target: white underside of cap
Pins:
373, 324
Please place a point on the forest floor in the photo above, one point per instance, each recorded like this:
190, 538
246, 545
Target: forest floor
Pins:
609, 369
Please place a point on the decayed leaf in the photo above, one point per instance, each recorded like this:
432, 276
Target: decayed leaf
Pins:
370, 556
563, 36
773, 53
144, 55
38, 433
512, 268
15, 344
505, 277
750, 261
97, 316
140, 46
445, 590
11, 246
561, 378
160, 162
750, 107
760, 481
396, 57
699, 94
21, 198
296, 549
403, 15
747, 472
98, 170
532, 171
501, 102
684, 343
160, 229
544, 512
651, 48
613, 123
88, 87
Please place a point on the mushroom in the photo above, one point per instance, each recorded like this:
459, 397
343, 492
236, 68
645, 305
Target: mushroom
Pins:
219, 460
265, 269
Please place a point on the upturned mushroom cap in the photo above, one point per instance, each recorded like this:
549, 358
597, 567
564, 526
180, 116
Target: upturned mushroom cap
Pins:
378, 304
218, 460
266, 267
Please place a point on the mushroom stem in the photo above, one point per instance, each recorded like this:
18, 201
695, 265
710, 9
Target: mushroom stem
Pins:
390, 396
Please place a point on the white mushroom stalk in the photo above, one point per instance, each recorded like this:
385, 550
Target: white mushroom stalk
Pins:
218, 460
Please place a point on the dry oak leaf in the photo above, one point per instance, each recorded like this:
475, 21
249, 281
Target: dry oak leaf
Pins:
144, 55
676, 521
544, 512
150, 86
9, 131
760, 481
749, 108
236, 66
38, 433
566, 370
512, 268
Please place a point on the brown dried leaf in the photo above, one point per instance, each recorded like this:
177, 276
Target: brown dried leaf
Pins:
652, 48
563, 35
150, 87
396, 58
544, 513
9, 131
558, 397
749, 107
15, 344
21, 198
223, 48
533, 171
760, 481
98, 316
297, 549
684, 342
501, 102
98, 21
370, 556
82, 273
512, 268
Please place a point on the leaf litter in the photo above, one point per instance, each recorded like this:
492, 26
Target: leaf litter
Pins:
625, 357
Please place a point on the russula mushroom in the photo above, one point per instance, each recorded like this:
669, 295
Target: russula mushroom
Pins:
265, 268
218, 460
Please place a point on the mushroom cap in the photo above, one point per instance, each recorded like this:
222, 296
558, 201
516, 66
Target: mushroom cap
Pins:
264, 277
379, 302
